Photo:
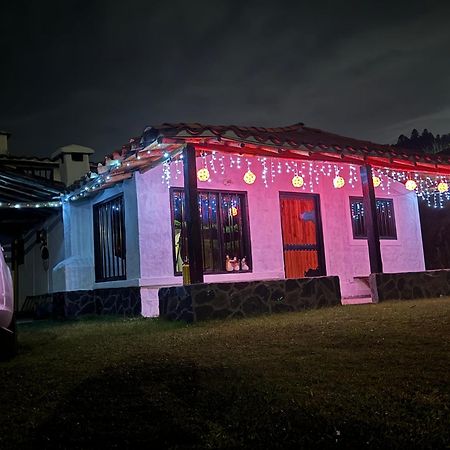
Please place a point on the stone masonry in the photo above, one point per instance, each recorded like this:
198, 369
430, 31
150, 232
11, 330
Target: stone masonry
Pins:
69, 305
242, 299
410, 285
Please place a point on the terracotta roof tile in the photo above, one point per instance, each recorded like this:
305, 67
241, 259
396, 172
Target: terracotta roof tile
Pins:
288, 137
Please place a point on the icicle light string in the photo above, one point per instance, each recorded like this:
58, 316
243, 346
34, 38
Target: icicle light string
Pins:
432, 189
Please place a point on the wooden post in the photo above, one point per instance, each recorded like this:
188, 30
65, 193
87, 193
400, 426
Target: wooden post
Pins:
370, 219
193, 225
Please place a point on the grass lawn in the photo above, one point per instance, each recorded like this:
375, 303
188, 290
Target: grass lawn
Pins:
365, 376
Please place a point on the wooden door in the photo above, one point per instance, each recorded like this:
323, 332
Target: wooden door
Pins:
302, 235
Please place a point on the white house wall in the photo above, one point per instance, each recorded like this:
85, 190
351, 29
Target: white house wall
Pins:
77, 270
345, 256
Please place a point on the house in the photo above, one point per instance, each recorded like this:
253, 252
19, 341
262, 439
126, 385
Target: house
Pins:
243, 204
30, 208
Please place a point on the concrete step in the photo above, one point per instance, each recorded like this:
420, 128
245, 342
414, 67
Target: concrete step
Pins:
360, 300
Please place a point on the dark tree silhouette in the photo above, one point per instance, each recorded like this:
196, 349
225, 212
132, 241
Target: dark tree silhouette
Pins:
425, 142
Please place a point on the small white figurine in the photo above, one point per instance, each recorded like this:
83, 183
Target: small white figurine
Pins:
244, 265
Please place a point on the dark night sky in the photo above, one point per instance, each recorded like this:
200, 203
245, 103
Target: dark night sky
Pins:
96, 72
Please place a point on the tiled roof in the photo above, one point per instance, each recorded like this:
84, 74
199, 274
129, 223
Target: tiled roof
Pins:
294, 141
292, 137
6, 159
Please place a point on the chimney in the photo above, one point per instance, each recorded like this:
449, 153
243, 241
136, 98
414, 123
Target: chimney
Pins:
73, 162
4, 137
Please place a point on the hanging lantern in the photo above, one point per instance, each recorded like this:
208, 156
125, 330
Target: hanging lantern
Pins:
233, 211
338, 182
203, 174
376, 181
297, 181
249, 177
442, 187
411, 185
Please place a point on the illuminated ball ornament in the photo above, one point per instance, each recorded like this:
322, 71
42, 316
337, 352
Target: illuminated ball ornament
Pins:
376, 181
249, 177
203, 174
234, 211
442, 187
297, 181
411, 185
338, 182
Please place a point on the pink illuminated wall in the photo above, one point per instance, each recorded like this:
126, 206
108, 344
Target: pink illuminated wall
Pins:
345, 256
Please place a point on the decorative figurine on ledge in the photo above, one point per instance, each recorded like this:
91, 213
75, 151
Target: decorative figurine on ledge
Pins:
228, 264
233, 263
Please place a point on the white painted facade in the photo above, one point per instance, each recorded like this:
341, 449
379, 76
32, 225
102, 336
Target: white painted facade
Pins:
149, 253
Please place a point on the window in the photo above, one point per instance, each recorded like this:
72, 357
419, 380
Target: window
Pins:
224, 228
385, 218
77, 157
42, 173
109, 240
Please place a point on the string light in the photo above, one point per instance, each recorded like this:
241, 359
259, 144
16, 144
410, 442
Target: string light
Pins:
203, 174
264, 170
411, 185
249, 177
297, 181
442, 187
24, 205
303, 175
338, 182
376, 181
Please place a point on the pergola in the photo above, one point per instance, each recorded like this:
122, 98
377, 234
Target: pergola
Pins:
25, 201
175, 142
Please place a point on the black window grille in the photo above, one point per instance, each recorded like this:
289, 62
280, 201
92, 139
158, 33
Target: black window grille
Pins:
224, 227
109, 240
385, 218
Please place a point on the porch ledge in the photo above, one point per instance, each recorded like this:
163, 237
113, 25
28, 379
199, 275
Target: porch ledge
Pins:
204, 301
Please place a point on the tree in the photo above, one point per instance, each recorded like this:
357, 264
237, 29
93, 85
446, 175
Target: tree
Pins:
426, 142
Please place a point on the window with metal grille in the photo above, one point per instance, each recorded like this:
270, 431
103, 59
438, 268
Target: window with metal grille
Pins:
224, 227
109, 240
385, 218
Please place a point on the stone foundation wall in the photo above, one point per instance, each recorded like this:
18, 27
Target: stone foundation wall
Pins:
242, 299
410, 285
116, 301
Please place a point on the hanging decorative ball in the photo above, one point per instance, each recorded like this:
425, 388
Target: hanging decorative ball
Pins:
234, 211
203, 174
410, 185
376, 181
249, 177
338, 182
297, 181
442, 187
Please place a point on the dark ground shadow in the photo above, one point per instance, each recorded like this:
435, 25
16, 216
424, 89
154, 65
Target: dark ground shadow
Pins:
162, 405
172, 406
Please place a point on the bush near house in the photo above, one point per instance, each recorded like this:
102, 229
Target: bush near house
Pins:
373, 376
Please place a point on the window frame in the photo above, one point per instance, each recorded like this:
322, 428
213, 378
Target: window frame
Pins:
98, 259
392, 237
245, 228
